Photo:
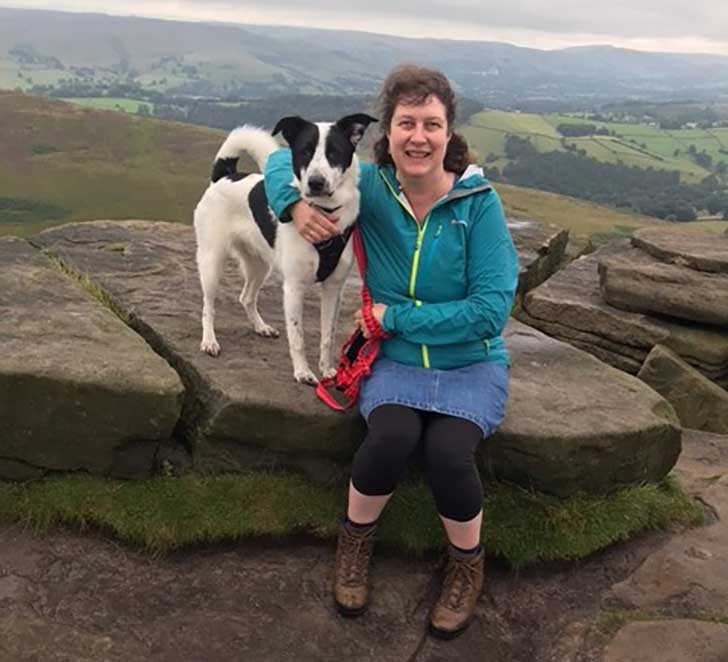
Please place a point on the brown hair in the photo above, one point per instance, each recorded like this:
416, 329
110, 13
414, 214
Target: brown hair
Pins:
412, 84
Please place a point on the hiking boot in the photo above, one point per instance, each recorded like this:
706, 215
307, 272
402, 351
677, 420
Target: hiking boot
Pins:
460, 591
351, 573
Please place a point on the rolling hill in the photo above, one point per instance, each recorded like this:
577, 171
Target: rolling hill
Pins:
60, 162
42, 47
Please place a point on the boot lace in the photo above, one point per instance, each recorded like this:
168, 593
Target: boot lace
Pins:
356, 552
461, 578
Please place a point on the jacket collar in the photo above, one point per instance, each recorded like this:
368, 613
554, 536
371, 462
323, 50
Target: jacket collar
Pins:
470, 182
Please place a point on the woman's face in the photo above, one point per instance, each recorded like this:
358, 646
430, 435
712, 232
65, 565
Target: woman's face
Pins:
418, 138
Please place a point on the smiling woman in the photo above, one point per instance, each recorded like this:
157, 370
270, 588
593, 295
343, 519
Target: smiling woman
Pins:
442, 269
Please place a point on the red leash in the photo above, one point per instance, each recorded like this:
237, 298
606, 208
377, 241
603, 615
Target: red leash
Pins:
358, 353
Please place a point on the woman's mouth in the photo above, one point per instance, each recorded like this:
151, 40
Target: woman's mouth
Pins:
417, 153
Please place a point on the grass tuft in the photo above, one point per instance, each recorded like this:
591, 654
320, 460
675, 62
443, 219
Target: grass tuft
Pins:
163, 514
88, 284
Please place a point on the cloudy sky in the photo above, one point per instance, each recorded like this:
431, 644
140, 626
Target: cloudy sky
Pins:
660, 25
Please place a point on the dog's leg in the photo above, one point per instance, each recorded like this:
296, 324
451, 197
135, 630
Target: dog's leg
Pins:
254, 270
330, 301
210, 264
293, 310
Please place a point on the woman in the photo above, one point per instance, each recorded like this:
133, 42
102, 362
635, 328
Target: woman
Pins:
443, 270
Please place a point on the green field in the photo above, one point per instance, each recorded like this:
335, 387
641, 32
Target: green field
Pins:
62, 162
112, 103
633, 145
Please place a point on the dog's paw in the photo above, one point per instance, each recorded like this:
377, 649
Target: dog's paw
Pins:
305, 377
210, 347
267, 331
328, 373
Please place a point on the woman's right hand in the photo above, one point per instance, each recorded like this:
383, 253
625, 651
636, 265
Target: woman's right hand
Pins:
312, 224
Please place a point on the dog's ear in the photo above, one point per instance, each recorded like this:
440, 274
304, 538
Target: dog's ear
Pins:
354, 126
290, 127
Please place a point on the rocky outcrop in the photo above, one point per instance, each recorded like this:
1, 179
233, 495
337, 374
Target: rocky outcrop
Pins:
698, 402
570, 307
638, 282
575, 423
243, 410
78, 388
541, 251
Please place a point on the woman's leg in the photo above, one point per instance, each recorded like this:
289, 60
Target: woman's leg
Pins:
449, 446
394, 432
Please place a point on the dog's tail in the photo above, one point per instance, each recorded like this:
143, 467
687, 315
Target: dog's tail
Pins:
245, 139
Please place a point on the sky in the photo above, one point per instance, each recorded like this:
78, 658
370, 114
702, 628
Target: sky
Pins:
699, 26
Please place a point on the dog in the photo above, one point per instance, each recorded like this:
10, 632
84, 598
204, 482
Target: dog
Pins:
233, 219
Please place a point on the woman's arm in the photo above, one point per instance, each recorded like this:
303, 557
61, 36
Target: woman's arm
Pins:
492, 273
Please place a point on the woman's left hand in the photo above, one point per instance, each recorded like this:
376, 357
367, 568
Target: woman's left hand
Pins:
378, 310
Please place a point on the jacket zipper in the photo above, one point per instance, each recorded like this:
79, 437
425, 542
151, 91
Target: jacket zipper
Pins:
421, 229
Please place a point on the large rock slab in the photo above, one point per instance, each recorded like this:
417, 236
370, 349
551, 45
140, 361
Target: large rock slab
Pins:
242, 409
245, 410
698, 402
570, 302
677, 246
689, 573
679, 640
576, 423
541, 250
638, 282
79, 390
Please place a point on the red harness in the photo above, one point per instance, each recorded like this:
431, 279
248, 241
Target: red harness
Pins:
358, 353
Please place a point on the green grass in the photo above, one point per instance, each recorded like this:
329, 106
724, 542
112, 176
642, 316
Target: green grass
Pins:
111, 103
634, 145
163, 514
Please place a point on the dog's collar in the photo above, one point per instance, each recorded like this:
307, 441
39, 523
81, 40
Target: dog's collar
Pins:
326, 210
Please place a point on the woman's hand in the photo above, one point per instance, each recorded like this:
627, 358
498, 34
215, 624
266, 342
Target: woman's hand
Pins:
378, 310
312, 224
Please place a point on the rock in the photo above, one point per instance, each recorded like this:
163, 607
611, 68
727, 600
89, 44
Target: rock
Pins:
689, 574
244, 409
638, 282
78, 388
575, 423
680, 640
677, 246
698, 402
571, 301
541, 249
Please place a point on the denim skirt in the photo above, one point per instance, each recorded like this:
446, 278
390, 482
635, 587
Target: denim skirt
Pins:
477, 392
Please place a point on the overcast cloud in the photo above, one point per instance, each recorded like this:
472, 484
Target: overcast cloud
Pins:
664, 25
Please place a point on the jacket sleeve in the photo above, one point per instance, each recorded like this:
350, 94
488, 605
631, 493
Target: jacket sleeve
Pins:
492, 274
281, 188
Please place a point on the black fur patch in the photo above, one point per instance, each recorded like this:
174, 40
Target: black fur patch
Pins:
261, 212
224, 168
330, 253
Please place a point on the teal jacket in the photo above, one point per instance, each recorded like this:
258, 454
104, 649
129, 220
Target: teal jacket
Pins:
448, 282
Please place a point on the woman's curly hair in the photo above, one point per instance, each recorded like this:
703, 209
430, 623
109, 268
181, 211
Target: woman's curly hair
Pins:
413, 84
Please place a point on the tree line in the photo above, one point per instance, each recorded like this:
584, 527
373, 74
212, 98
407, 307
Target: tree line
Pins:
648, 191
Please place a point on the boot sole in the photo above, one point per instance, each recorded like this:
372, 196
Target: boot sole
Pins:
350, 612
447, 634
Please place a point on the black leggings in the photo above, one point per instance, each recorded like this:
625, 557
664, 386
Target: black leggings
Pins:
448, 445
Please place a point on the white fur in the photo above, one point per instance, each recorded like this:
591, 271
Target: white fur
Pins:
224, 227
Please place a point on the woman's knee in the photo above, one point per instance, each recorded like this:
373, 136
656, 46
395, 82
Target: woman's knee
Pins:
394, 425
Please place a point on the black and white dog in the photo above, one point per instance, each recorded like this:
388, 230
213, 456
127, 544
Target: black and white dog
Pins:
233, 218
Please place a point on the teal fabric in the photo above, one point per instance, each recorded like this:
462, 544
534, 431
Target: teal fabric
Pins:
467, 268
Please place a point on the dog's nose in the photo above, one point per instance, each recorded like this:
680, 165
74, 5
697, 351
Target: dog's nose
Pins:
316, 184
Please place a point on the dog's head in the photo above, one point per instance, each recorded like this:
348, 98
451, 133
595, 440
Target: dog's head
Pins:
322, 152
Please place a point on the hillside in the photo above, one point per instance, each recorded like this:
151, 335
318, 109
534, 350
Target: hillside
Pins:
60, 162
43, 47
633, 144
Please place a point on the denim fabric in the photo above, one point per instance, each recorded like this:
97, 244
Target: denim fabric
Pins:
477, 392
